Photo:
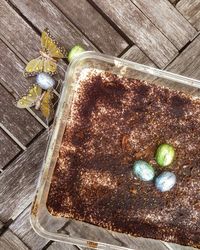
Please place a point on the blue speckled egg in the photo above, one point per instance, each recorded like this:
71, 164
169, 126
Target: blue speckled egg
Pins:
143, 170
45, 81
165, 181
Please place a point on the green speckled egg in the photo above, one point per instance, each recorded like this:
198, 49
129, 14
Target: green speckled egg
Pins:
165, 155
74, 52
143, 170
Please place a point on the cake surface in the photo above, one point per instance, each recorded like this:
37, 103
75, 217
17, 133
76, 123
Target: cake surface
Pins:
114, 122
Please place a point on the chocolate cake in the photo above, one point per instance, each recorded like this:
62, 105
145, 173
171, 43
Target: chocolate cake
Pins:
114, 122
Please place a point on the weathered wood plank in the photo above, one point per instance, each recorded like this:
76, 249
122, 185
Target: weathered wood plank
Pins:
139, 29
190, 9
21, 227
86, 231
18, 32
9, 241
167, 19
61, 246
1, 224
44, 14
18, 121
188, 62
93, 233
178, 247
18, 181
139, 243
8, 149
136, 55
172, 1
9, 62
93, 25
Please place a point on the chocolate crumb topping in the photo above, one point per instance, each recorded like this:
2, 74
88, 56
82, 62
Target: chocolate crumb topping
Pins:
114, 122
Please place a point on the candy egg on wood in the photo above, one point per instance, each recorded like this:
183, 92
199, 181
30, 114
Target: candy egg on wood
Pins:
165, 181
74, 52
45, 81
143, 170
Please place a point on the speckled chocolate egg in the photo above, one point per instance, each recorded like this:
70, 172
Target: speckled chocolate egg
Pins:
165, 155
143, 170
45, 81
165, 181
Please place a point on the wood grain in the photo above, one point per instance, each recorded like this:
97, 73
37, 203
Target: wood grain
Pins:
18, 32
93, 233
168, 20
136, 55
18, 181
172, 1
8, 148
61, 246
9, 62
9, 241
139, 243
190, 9
93, 25
1, 225
24, 231
172, 246
78, 229
139, 29
18, 121
188, 62
44, 14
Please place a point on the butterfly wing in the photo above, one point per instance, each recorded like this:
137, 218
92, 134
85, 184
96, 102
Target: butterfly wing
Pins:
30, 99
50, 66
51, 46
34, 67
46, 105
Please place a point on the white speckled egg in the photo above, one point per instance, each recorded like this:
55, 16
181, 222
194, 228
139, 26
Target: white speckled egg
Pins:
45, 81
165, 181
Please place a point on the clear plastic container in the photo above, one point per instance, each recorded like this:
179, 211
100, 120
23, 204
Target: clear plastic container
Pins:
68, 230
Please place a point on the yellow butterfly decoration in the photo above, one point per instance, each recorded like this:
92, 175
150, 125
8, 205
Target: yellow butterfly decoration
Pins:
50, 53
41, 100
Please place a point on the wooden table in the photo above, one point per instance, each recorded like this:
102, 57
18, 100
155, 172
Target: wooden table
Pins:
160, 33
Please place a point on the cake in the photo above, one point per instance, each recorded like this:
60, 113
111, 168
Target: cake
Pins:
115, 121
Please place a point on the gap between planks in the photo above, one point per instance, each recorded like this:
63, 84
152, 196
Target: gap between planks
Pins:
182, 50
12, 137
181, 25
112, 23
